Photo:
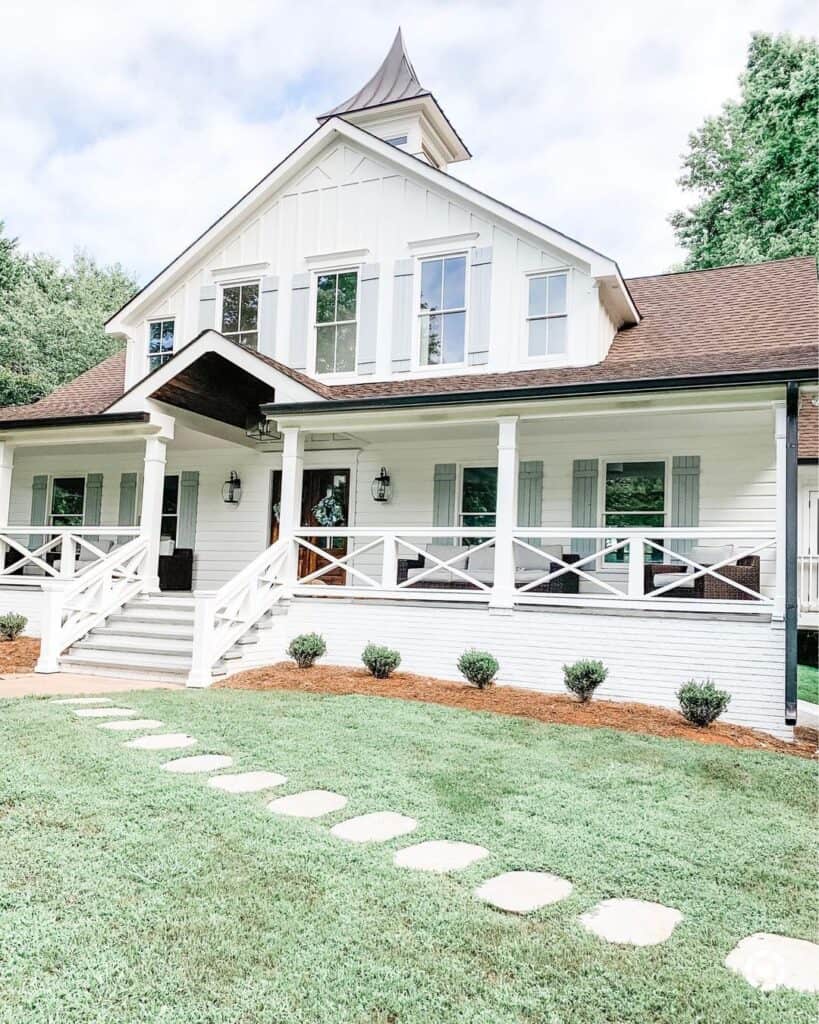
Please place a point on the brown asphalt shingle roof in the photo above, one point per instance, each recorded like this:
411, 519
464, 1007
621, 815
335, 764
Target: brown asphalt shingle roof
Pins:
732, 319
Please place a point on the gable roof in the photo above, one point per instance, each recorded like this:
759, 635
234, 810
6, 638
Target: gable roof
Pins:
395, 80
758, 318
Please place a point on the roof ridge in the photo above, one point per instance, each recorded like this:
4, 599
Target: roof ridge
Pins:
725, 266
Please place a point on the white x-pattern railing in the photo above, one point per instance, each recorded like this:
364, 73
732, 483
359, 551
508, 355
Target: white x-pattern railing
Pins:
55, 552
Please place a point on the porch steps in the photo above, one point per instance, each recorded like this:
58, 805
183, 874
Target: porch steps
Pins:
149, 637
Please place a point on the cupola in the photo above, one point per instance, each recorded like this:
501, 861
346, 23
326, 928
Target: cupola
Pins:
395, 106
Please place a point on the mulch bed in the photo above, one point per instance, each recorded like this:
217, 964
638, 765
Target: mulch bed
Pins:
509, 700
18, 655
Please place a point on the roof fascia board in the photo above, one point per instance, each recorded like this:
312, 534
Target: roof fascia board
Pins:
209, 341
80, 429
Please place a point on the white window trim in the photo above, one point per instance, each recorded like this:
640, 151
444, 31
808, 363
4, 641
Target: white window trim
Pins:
50, 501
345, 375
158, 320
233, 336
459, 490
560, 358
434, 370
601, 565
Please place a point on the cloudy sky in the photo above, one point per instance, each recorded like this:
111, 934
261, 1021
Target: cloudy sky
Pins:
125, 129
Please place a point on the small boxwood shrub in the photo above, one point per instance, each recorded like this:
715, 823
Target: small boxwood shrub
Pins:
702, 703
381, 661
12, 625
478, 667
306, 648
584, 677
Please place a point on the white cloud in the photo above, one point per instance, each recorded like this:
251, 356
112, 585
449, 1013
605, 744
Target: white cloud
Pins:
126, 130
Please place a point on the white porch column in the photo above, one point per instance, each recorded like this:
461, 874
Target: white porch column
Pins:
290, 505
506, 518
780, 440
6, 469
153, 482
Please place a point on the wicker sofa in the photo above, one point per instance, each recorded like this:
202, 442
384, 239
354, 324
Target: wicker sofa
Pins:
744, 570
529, 567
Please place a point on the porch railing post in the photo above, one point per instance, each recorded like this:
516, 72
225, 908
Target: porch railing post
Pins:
51, 627
290, 503
389, 563
68, 556
201, 673
503, 588
636, 574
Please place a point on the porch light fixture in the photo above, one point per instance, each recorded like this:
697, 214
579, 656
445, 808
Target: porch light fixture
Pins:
380, 489
232, 489
258, 428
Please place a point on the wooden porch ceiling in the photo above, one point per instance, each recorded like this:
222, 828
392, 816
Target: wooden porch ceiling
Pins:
213, 386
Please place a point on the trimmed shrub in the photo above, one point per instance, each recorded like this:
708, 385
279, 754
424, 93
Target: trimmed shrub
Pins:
306, 648
702, 703
381, 661
12, 625
478, 667
584, 677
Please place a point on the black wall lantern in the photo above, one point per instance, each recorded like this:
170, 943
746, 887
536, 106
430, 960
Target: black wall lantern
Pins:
380, 489
232, 489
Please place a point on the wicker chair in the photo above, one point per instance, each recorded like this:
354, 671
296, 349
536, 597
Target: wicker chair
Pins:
707, 587
568, 583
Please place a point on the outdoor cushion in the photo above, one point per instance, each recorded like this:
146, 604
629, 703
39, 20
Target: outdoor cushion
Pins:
710, 555
683, 579
439, 573
482, 559
526, 559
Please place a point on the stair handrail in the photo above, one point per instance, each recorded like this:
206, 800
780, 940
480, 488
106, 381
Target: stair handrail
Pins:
72, 609
221, 619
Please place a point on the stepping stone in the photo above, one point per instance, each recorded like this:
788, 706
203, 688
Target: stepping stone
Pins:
632, 922
165, 741
374, 828
772, 961
521, 892
247, 782
439, 855
313, 803
131, 724
201, 763
82, 700
104, 712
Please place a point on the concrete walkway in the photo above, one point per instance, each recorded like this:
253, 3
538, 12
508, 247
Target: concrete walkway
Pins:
30, 684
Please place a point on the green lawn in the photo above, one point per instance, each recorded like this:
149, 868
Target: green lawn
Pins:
129, 895
808, 684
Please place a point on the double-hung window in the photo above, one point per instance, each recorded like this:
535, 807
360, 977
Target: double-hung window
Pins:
546, 316
635, 498
443, 310
336, 321
240, 313
67, 507
160, 342
479, 496
170, 508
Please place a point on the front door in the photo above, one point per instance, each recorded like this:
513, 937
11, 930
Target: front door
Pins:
325, 502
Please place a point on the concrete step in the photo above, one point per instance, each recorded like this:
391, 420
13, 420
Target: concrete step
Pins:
121, 626
121, 663
145, 613
134, 644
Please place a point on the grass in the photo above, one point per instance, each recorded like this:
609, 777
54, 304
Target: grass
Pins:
131, 895
808, 684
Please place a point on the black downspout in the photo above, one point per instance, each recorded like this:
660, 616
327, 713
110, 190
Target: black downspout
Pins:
791, 605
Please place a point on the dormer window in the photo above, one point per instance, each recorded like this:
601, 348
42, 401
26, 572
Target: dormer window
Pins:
546, 317
336, 321
240, 313
160, 342
442, 310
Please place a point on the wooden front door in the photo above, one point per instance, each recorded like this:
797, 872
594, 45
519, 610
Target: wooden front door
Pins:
325, 502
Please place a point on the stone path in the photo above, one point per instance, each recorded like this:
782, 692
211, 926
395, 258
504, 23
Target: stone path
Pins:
765, 961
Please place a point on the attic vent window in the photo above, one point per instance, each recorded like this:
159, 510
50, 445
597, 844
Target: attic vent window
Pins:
397, 140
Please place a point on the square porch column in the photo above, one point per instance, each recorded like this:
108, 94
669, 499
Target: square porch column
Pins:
506, 514
290, 504
153, 484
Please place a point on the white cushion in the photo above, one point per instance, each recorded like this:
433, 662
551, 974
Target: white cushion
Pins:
527, 559
483, 559
683, 580
710, 555
438, 575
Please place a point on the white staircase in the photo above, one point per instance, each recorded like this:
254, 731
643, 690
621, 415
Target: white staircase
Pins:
149, 637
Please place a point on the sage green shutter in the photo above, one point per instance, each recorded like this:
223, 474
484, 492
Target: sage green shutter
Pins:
480, 288
367, 318
443, 497
584, 504
188, 502
207, 307
299, 320
268, 311
402, 317
93, 502
39, 493
127, 499
685, 497
530, 496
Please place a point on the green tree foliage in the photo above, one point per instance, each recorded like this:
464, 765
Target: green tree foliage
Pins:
51, 319
755, 167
